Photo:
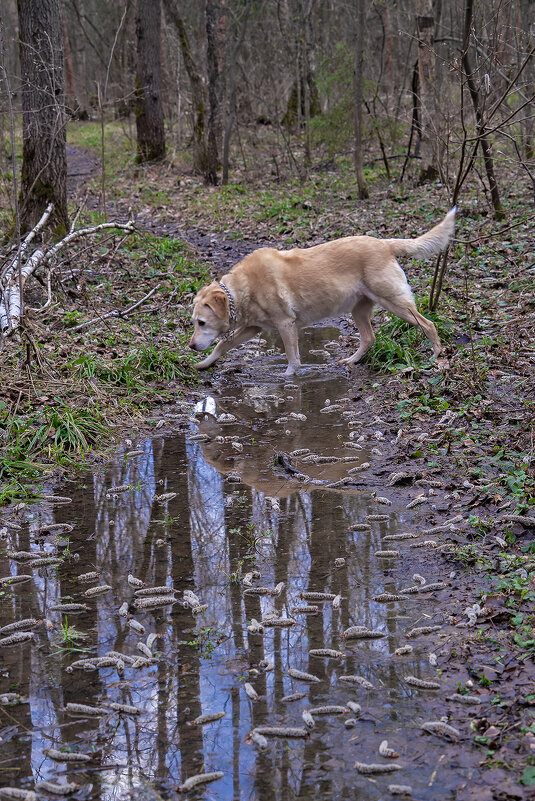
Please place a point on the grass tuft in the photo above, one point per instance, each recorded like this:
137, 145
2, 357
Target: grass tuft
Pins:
398, 345
31, 444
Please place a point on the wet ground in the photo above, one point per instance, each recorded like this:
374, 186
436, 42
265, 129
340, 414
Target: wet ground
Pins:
198, 514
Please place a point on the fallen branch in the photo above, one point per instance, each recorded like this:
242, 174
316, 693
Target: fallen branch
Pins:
116, 312
14, 277
27, 240
129, 226
13, 281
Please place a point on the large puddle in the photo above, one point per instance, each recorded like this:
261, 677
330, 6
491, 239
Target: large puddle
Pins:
205, 538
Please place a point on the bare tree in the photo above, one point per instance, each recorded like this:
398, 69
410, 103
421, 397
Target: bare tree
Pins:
358, 103
201, 162
73, 104
44, 160
480, 118
149, 107
527, 21
213, 69
231, 111
426, 74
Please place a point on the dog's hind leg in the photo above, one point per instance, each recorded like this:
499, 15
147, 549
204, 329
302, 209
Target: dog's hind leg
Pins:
406, 310
362, 312
288, 332
241, 335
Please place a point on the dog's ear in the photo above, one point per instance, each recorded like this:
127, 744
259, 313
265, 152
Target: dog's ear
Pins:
218, 302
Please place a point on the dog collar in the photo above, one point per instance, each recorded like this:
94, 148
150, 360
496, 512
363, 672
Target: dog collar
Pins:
232, 312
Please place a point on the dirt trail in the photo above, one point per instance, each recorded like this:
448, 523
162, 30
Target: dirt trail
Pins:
219, 251
80, 168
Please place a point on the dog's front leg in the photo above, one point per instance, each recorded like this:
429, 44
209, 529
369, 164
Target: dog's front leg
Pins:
288, 332
224, 345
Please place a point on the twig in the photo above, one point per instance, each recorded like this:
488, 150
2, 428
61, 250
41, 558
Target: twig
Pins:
129, 226
78, 212
116, 312
495, 234
49, 293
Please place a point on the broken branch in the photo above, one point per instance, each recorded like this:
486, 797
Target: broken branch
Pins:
116, 312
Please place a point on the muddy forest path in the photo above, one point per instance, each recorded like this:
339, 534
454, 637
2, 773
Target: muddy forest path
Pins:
220, 252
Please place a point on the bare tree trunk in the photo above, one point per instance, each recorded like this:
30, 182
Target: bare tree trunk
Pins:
499, 213
307, 76
358, 104
384, 14
44, 160
149, 107
416, 127
527, 21
214, 116
425, 24
72, 101
231, 112
198, 97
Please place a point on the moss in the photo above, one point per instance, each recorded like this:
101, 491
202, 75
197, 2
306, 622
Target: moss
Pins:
59, 231
43, 191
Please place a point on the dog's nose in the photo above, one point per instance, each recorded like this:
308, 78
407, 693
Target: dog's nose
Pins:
192, 345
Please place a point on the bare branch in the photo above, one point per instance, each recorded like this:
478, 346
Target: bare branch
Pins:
116, 312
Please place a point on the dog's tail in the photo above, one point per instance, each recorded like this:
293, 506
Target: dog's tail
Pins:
428, 244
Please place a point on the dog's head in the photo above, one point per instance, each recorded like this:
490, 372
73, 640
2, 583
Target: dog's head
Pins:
211, 316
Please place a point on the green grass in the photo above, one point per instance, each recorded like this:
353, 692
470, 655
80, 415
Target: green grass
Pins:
400, 345
69, 638
31, 444
138, 367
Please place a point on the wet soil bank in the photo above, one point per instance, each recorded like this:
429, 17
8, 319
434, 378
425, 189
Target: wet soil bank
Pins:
302, 486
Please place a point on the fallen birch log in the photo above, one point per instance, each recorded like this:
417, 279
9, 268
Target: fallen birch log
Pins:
17, 273
14, 276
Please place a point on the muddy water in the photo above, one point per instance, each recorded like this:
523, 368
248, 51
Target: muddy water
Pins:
205, 538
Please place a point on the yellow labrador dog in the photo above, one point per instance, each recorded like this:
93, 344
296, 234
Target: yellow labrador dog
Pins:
284, 290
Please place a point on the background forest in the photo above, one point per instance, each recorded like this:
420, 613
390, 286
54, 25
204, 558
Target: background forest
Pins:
257, 89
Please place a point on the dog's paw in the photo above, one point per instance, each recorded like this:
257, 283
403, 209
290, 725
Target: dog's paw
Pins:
347, 361
291, 370
204, 365
442, 363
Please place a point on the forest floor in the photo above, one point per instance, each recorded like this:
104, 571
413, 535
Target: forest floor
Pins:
467, 426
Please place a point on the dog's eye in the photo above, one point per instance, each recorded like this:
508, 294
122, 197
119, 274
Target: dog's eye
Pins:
200, 322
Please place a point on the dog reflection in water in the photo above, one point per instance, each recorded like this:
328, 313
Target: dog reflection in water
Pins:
255, 468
